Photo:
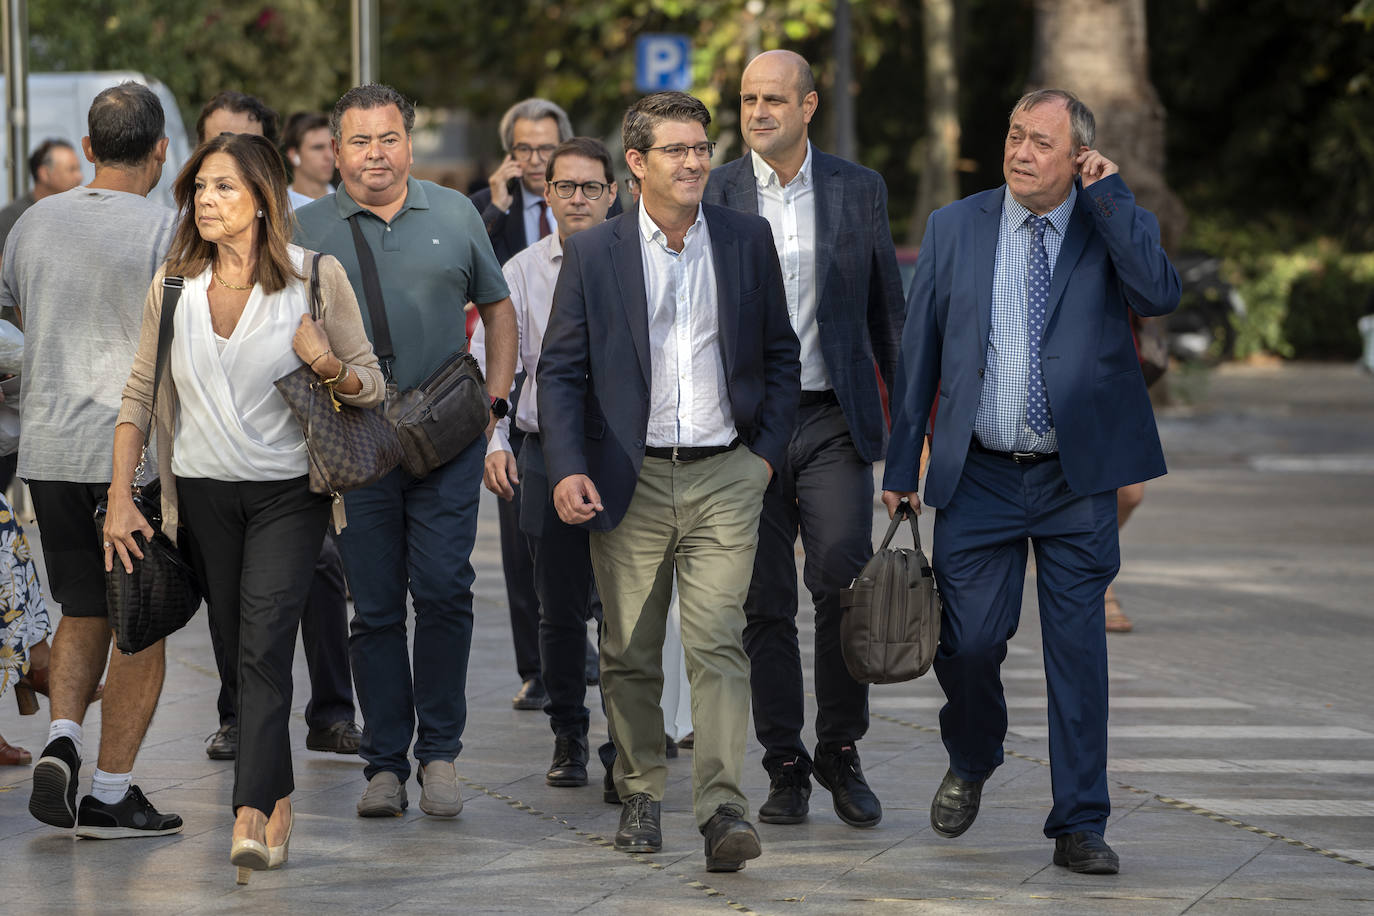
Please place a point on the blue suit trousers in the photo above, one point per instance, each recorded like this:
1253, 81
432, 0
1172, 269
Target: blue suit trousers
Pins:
981, 539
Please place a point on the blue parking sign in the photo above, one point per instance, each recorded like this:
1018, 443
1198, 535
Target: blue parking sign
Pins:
663, 62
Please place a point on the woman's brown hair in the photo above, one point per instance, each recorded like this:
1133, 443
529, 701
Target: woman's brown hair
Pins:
261, 170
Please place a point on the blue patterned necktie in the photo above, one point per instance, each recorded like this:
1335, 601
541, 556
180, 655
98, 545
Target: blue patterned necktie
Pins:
1037, 304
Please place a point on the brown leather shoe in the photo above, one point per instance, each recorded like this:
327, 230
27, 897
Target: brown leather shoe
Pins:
11, 756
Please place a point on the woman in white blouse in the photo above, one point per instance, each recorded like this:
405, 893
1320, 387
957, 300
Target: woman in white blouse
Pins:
231, 456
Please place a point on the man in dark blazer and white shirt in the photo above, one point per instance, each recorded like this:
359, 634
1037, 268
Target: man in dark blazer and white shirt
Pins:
668, 389
844, 296
1019, 317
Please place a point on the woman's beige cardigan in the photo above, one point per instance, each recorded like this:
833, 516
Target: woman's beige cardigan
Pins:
343, 323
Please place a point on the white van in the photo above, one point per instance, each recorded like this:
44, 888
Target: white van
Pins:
58, 103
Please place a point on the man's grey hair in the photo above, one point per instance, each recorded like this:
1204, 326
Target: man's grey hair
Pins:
533, 109
367, 97
1082, 124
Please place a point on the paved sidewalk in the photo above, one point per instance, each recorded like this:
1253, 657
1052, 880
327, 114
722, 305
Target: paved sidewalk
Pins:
1238, 662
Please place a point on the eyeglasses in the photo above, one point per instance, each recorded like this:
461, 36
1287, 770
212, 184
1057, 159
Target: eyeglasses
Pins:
525, 151
590, 189
678, 151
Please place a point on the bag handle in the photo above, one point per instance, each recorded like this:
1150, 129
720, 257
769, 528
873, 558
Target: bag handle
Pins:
372, 296
903, 510
316, 308
171, 293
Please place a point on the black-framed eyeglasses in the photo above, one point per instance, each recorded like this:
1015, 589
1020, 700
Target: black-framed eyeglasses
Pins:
525, 151
590, 189
678, 151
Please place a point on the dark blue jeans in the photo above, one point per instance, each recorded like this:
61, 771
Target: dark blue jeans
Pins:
403, 530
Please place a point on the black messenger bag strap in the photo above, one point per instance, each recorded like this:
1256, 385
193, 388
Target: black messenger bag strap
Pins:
372, 292
171, 293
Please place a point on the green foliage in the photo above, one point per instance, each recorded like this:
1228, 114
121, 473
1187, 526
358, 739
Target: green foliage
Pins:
290, 53
1302, 298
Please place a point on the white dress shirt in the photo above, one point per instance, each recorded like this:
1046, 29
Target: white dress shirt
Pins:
791, 211
531, 276
689, 403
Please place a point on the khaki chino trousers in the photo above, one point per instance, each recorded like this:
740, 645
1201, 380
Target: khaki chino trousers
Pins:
700, 521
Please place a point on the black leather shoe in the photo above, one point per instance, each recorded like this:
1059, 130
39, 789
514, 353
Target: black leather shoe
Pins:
343, 737
955, 805
836, 767
789, 794
609, 794
569, 767
223, 744
639, 830
531, 695
730, 840
1086, 853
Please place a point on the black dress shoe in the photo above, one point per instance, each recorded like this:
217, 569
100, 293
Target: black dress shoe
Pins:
569, 767
531, 695
1087, 853
730, 840
639, 830
789, 793
223, 744
955, 805
340, 738
609, 794
836, 767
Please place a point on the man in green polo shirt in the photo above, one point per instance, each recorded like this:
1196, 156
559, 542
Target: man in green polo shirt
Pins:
432, 256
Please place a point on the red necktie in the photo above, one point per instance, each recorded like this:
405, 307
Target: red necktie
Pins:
543, 219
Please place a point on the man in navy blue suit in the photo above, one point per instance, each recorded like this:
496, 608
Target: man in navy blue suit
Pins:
844, 298
1018, 317
668, 389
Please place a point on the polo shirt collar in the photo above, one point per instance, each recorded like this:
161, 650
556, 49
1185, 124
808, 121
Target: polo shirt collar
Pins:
416, 199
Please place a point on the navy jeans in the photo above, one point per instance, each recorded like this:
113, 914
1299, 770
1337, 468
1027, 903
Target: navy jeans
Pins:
403, 530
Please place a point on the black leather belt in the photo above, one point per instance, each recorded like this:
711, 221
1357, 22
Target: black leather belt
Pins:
1018, 457
814, 398
689, 453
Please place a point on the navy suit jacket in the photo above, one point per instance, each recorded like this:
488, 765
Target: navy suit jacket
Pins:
506, 228
1110, 261
594, 370
859, 304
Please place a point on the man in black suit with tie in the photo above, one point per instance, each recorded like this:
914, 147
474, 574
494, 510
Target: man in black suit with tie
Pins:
668, 390
844, 298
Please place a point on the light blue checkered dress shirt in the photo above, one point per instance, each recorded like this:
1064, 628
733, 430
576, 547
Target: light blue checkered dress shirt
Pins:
1000, 423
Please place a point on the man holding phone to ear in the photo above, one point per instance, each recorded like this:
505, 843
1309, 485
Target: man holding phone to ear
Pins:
1018, 316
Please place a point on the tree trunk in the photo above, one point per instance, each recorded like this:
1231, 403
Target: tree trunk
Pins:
1097, 50
939, 178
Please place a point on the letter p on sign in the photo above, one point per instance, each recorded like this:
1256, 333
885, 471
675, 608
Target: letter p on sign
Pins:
663, 62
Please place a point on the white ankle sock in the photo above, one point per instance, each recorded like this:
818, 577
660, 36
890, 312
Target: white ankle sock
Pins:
65, 728
110, 788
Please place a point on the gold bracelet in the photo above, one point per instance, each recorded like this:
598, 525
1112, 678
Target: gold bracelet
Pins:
320, 357
343, 374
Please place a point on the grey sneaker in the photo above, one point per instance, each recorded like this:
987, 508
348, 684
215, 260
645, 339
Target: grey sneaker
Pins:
439, 793
385, 796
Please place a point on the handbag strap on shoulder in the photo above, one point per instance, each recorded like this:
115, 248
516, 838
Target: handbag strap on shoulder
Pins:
171, 293
372, 295
316, 309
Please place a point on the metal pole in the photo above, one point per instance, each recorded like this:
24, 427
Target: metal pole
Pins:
366, 42
14, 24
843, 101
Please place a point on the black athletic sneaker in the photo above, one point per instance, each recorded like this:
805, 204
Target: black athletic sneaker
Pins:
131, 816
53, 800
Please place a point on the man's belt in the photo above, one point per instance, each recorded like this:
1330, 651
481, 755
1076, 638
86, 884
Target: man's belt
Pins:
689, 453
1018, 457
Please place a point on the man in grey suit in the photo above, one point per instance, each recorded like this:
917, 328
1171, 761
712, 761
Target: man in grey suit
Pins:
844, 298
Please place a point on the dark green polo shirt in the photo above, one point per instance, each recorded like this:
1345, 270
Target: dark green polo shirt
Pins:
432, 259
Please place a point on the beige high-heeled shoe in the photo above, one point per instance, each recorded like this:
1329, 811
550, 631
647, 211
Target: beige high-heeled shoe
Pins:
276, 855
248, 855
